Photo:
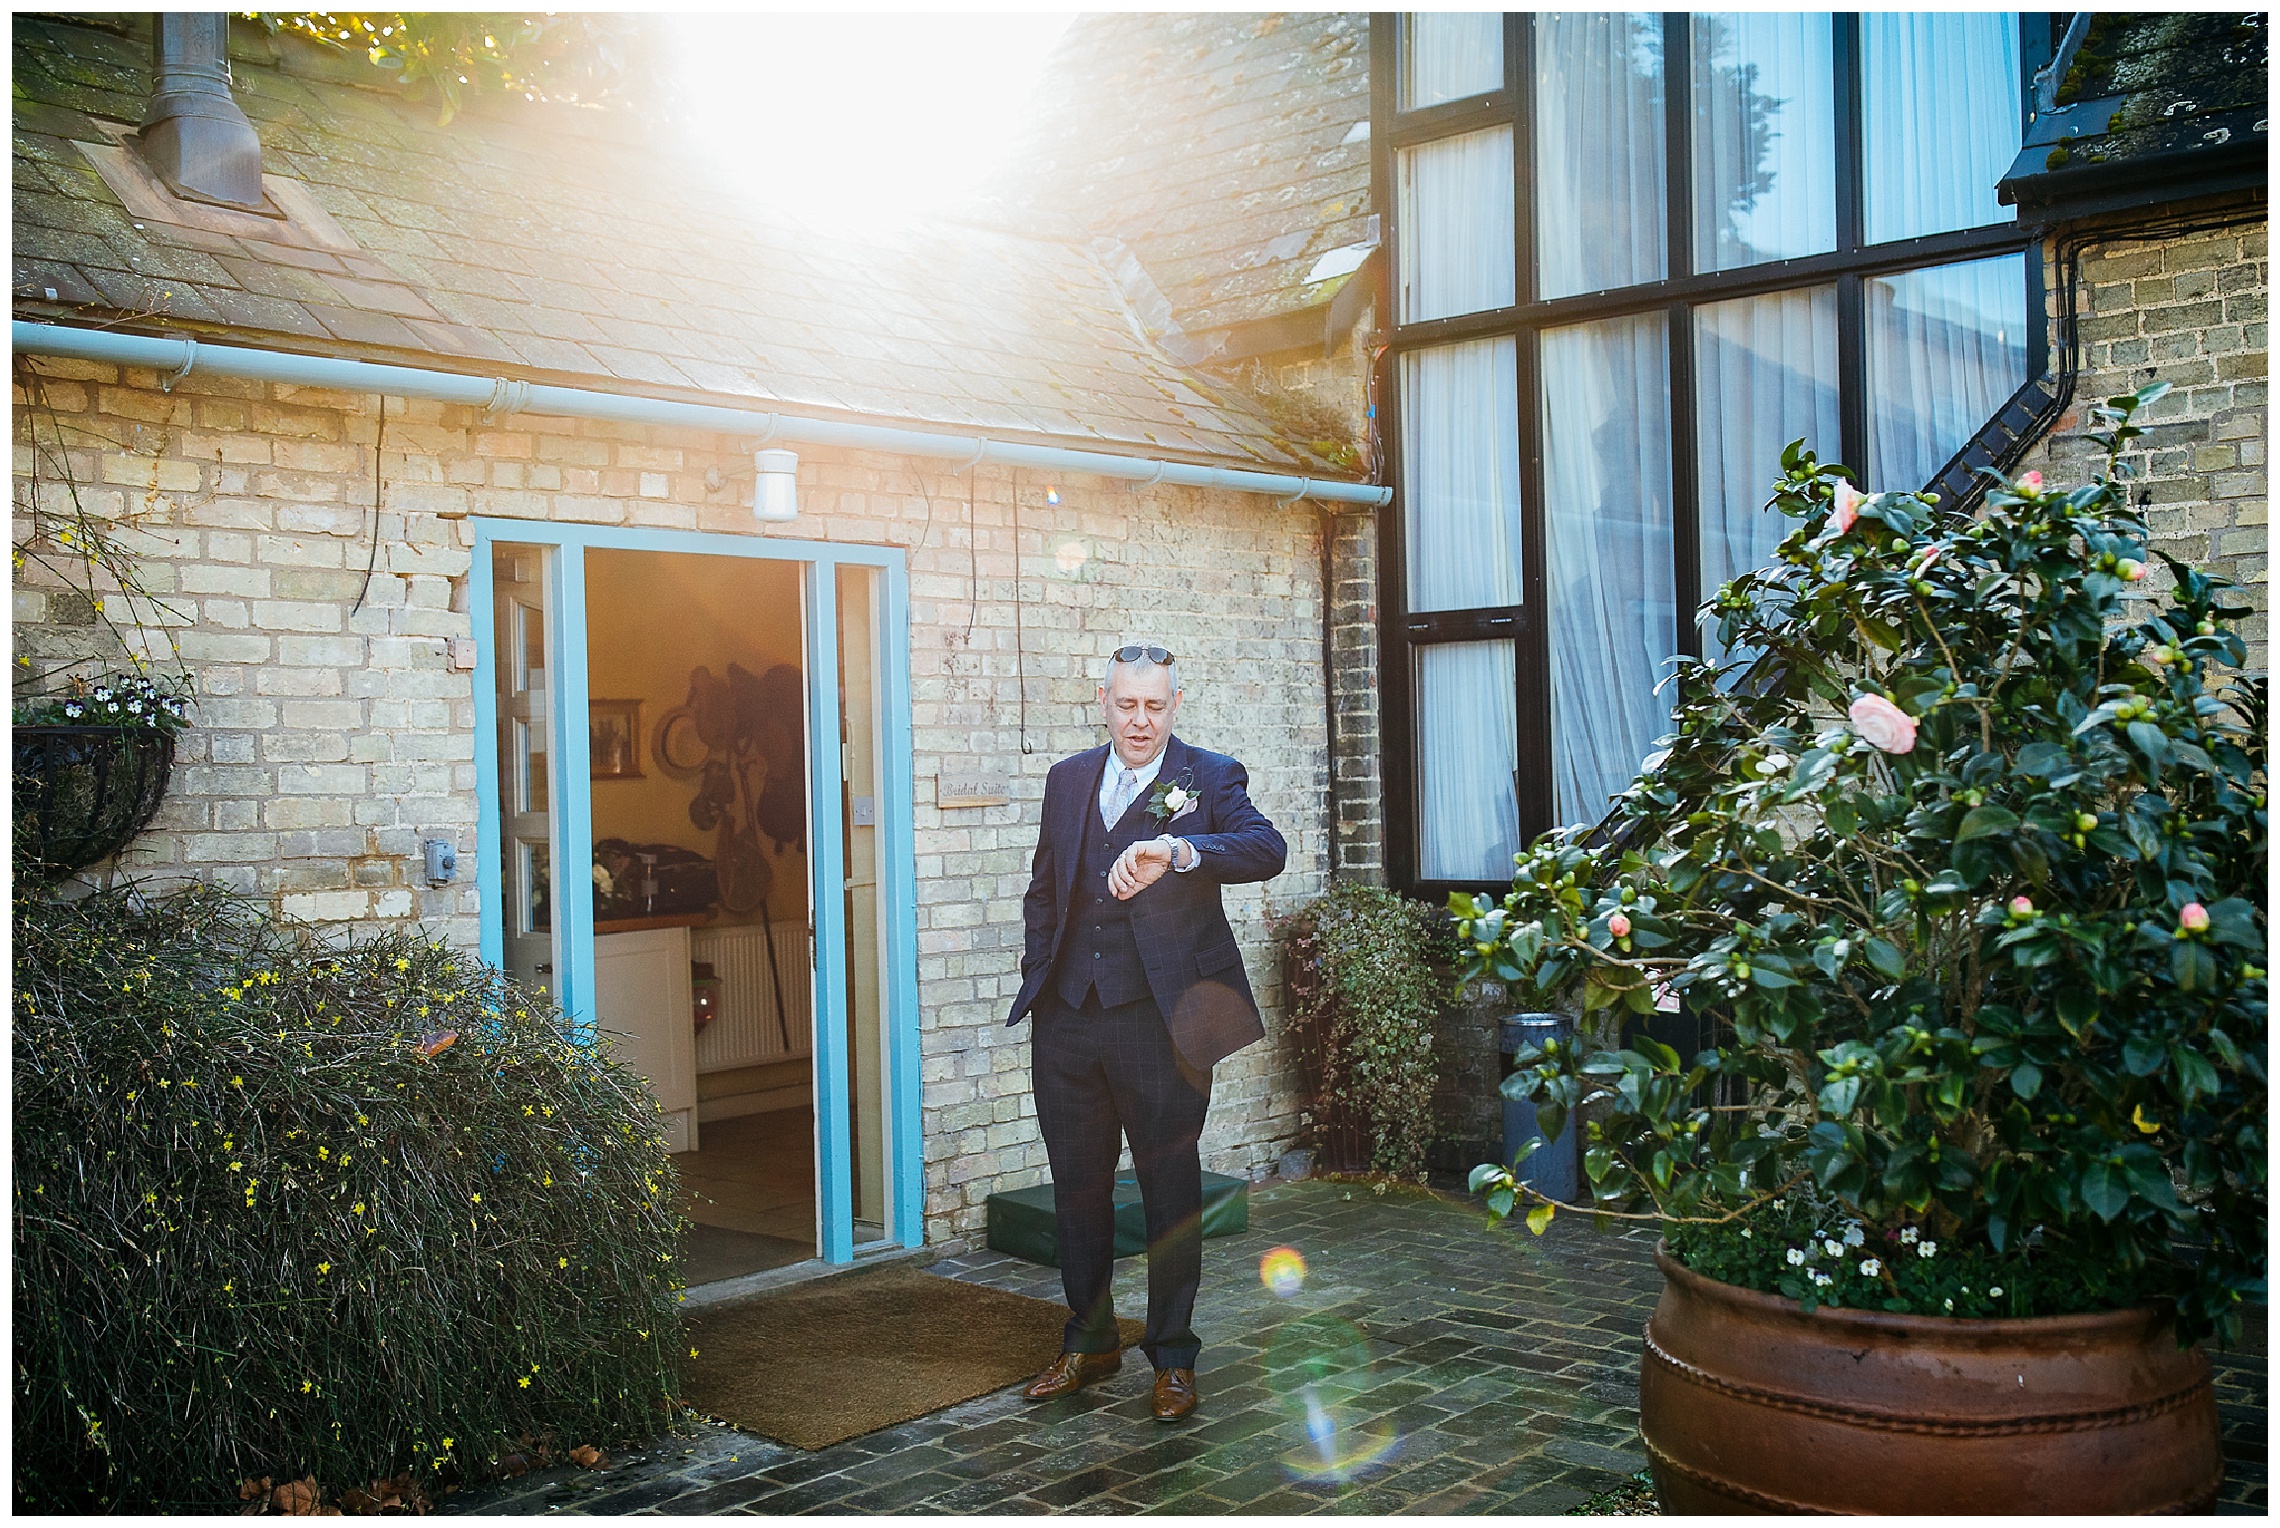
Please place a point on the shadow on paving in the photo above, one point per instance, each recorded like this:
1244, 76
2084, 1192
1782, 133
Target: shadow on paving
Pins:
1422, 1365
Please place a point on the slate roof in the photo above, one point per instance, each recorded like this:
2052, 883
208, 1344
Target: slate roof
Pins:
549, 244
2155, 101
1230, 152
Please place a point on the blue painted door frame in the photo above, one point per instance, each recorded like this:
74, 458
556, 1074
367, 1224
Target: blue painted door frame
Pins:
898, 869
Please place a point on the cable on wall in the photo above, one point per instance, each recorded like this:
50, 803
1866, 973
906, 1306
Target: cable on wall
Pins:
372, 559
1020, 678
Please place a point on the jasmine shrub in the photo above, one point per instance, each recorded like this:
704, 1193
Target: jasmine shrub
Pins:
287, 1208
1961, 859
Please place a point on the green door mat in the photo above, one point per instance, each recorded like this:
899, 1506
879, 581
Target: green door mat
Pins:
1021, 1222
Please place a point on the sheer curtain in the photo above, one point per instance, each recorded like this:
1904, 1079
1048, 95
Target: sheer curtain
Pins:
1940, 118
1453, 201
1607, 519
1448, 55
1946, 347
1600, 196
1460, 474
1765, 138
1468, 814
1765, 374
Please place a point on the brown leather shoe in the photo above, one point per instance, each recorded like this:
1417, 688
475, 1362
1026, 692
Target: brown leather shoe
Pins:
1071, 1372
1175, 1394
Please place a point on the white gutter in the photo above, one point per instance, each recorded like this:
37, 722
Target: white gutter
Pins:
178, 358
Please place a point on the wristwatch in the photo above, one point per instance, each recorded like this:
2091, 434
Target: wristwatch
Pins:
1173, 846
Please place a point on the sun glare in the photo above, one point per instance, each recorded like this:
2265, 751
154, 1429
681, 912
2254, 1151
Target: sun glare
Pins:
856, 120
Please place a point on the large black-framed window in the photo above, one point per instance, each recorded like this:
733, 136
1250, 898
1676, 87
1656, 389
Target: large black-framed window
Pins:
1632, 255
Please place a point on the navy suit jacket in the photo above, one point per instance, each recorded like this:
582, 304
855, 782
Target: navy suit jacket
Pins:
1194, 967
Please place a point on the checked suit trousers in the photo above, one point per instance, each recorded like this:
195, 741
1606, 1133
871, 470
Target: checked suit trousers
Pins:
1101, 1076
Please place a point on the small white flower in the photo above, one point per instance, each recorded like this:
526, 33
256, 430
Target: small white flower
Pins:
1907, 1235
1870, 1267
1175, 798
1994, 1291
1947, 1305
1745, 1233
1854, 1236
1796, 1256
1928, 1249
1832, 1248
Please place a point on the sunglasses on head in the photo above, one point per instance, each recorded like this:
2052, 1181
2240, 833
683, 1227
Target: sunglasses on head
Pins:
1135, 653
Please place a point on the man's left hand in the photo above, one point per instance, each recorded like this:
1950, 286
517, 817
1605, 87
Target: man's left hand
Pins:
1139, 868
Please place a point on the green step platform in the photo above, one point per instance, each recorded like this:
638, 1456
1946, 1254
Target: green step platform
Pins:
1021, 1222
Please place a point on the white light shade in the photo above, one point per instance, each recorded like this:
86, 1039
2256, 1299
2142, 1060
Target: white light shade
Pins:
776, 493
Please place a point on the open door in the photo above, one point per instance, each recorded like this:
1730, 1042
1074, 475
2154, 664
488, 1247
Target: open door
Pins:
520, 626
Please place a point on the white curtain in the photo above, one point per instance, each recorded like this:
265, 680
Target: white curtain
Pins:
1468, 816
1940, 108
1607, 524
1460, 474
1946, 347
1600, 193
1765, 374
1765, 138
1453, 200
1448, 55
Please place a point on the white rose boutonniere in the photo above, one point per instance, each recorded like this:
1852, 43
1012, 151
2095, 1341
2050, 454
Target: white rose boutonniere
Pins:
1173, 799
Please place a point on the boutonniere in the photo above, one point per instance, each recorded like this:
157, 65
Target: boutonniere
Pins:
1173, 799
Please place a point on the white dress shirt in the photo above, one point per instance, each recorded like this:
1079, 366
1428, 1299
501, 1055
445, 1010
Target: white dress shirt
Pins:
1146, 775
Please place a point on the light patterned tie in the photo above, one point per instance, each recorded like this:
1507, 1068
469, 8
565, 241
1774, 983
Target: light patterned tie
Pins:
1120, 799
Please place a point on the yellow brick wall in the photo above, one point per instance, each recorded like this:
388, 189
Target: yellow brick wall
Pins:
325, 745
2188, 309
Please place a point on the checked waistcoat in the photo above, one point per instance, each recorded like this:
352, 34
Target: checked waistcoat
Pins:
1098, 951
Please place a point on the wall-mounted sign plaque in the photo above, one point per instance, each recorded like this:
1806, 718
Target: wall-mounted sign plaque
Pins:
969, 790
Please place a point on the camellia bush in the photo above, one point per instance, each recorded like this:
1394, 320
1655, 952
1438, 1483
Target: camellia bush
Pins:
1961, 863
342, 1212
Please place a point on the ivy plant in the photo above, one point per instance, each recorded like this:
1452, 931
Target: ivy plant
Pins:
1960, 860
1363, 986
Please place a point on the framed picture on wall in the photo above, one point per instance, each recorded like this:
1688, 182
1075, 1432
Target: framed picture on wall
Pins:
613, 738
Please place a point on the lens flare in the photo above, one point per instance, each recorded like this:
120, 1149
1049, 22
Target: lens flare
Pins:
1070, 555
1318, 1370
1283, 1271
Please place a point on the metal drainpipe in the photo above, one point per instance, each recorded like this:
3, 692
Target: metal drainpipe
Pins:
194, 134
175, 359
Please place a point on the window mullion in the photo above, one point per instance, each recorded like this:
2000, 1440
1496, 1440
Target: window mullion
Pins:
1844, 57
1532, 673
1520, 77
1678, 143
1852, 372
1685, 482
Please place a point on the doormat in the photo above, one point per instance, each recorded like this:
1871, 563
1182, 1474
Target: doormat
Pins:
832, 1359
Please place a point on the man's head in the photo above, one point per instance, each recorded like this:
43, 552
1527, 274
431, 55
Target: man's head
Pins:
1139, 697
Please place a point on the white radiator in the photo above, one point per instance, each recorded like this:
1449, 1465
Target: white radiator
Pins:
745, 1031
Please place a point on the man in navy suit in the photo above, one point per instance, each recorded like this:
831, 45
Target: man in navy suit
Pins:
1136, 986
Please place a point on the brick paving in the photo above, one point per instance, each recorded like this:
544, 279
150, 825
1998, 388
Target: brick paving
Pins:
1424, 1365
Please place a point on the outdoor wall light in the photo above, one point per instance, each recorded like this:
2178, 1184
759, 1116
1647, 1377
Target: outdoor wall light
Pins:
776, 493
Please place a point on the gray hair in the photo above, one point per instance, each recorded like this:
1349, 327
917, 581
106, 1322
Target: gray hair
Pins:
1140, 665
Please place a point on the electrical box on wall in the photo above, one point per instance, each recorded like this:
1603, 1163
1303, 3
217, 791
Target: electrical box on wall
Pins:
863, 812
441, 861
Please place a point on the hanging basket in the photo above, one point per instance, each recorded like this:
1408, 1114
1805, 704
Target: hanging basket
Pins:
81, 794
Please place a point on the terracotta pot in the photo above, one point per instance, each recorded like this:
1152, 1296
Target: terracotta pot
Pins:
1748, 1404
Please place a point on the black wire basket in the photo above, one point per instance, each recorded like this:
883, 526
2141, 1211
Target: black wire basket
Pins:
81, 794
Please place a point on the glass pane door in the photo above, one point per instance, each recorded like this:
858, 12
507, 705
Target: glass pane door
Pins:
860, 776
521, 604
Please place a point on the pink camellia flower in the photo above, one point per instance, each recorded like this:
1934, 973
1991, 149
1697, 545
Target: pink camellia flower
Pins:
2193, 917
1931, 555
2031, 481
1884, 724
1846, 507
2021, 907
2130, 568
1618, 925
